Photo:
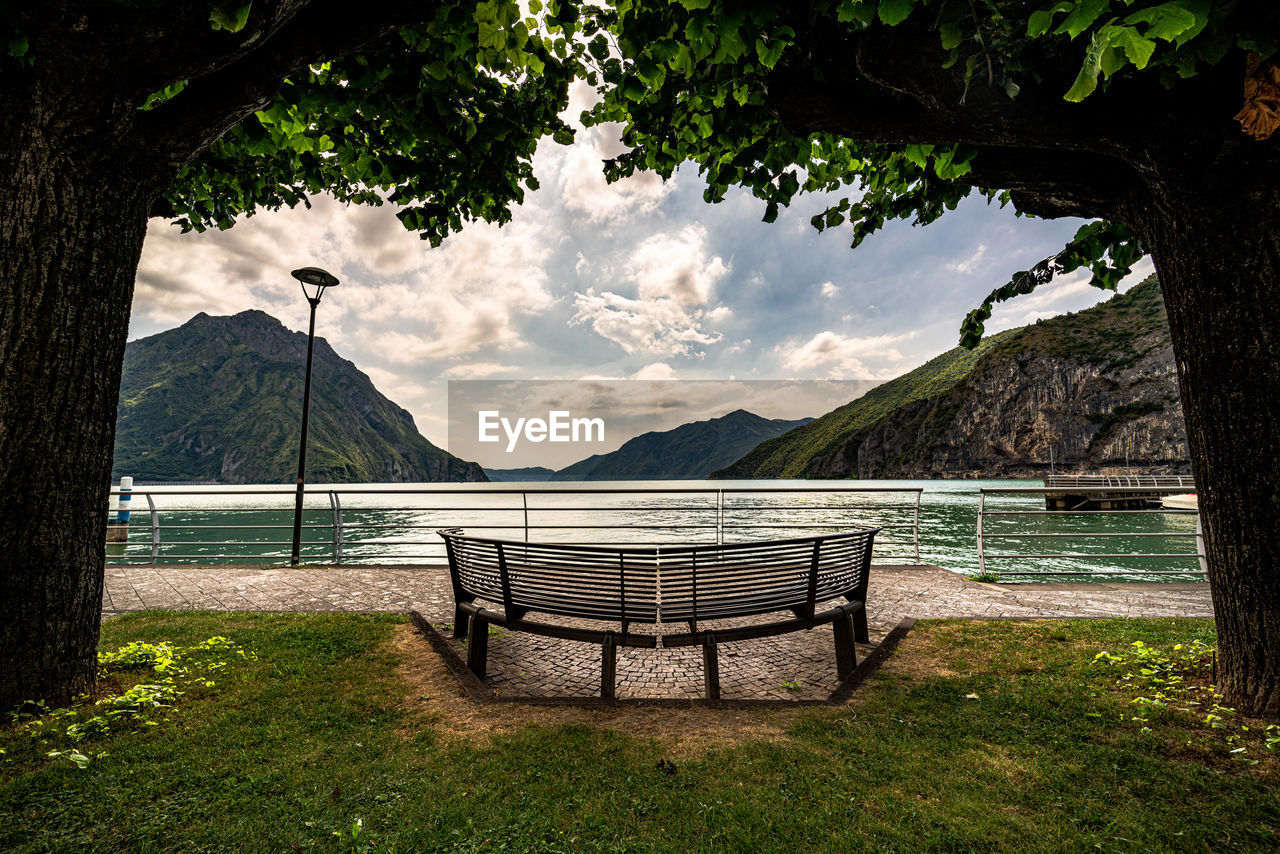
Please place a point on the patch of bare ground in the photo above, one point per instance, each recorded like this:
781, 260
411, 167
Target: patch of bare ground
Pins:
436, 700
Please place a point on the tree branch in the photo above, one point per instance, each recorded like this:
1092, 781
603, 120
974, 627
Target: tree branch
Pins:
1053, 184
147, 46
178, 42
889, 85
178, 130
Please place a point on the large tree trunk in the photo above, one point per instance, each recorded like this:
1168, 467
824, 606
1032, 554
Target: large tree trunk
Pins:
70, 237
1218, 256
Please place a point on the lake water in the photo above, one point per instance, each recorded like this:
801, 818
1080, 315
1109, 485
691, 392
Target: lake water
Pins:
396, 523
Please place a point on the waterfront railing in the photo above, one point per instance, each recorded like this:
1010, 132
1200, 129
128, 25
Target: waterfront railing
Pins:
1182, 482
1123, 550
398, 525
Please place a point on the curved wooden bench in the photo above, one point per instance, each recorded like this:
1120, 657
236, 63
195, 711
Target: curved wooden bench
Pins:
692, 585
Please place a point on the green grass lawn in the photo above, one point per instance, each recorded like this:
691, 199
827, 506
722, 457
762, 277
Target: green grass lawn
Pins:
336, 721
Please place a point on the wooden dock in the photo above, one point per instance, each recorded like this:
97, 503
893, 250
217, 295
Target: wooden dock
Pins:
1103, 492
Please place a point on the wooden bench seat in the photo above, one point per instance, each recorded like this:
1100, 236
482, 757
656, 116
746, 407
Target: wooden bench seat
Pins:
673, 585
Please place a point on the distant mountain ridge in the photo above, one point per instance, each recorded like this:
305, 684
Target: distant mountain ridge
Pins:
1098, 387
528, 474
688, 452
220, 399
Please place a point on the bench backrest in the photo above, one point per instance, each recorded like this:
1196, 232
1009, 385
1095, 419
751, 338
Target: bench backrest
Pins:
572, 581
745, 579
697, 582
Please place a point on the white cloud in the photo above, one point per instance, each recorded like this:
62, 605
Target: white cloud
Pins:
656, 327
479, 370
830, 290
399, 299
464, 298
580, 172
586, 192
655, 371
838, 356
676, 266
675, 277
965, 266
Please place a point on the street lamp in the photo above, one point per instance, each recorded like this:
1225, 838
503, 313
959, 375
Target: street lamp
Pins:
314, 281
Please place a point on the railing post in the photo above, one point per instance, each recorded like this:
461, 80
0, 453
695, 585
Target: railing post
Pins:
336, 506
982, 561
524, 497
915, 527
719, 517
1204, 560
155, 529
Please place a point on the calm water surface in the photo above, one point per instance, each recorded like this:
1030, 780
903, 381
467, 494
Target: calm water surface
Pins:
224, 523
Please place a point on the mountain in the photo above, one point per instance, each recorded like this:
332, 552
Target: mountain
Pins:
1096, 386
786, 455
528, 474
689, 452
581, 470
220, 399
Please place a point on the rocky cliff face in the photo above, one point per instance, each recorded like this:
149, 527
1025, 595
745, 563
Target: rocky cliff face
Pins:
220, 398
1099, 388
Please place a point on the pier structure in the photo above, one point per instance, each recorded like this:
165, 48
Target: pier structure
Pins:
1112, 492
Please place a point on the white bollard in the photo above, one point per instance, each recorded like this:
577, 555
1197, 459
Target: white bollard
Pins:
118, 524
126, 488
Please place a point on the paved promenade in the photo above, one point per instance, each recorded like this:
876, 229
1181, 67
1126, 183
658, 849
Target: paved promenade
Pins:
799, 665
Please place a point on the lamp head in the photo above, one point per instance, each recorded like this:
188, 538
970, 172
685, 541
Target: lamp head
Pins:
314, 281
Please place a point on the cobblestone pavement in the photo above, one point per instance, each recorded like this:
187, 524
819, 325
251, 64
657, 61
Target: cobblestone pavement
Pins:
800, 665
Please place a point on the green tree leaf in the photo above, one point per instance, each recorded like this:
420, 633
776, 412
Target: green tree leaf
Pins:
1083, 14
894, 12
230, 17
1087, 79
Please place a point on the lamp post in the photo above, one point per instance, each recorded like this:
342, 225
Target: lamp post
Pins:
314, 281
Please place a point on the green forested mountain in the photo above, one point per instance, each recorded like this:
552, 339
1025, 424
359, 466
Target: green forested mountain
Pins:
1096, 388
220, 399
688, 452
786, 456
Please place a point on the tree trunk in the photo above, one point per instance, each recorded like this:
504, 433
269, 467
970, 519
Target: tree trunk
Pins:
71, 234
1218, 256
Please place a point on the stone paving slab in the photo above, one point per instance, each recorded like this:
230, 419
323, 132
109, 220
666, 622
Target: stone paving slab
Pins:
800, 665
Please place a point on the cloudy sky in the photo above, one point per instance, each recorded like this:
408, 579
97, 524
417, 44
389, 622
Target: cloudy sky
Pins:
640, 279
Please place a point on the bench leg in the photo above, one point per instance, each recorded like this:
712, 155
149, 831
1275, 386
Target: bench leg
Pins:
460, 620
860, 625
478, 647
846, 652
711, 668
608, 667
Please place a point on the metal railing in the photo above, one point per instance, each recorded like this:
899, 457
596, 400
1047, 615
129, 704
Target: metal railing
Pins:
1183, 482
398, 525
985, 534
